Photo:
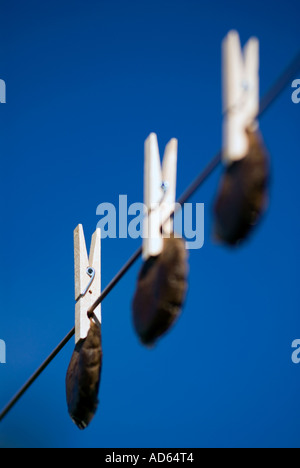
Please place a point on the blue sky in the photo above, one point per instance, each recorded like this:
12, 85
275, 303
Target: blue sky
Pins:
87, 81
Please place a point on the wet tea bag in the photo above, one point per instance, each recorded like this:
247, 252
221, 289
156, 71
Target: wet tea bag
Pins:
83, 378
243, 193
161, 291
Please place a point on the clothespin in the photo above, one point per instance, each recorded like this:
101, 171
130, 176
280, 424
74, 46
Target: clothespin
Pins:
240, 94
159, 194
87, 280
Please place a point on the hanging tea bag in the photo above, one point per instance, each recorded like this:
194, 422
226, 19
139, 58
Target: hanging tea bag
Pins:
83, 378
84, 372
161, 291
162, 281
243, 194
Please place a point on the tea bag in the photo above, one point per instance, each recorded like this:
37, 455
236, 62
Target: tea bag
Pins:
83, 378
161, 290
243, 194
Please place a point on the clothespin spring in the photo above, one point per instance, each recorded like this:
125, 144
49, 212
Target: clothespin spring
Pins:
242, 100
91, 273
164, 186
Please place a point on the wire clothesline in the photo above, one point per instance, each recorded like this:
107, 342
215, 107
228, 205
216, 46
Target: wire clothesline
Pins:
274, 92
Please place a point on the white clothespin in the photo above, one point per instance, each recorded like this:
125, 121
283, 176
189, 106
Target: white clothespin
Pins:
159, 194
87, 280
240, 94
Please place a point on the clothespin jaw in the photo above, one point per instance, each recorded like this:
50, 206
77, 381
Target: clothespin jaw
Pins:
159, 194
240, 95
87, 280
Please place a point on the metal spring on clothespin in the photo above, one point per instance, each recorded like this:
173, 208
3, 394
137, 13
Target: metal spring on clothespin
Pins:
91, 273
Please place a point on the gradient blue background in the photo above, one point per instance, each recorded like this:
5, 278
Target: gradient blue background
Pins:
87, 81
